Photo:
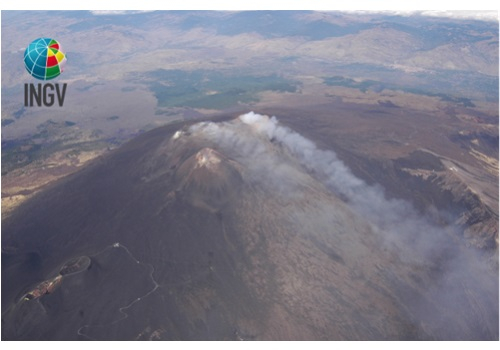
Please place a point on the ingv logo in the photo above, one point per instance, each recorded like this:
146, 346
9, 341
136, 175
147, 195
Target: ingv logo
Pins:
44, 60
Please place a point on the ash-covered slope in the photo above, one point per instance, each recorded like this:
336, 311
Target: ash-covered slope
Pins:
235, 230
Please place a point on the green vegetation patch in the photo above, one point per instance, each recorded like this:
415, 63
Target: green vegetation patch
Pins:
378, 86
6, 122
51, 137
213, 90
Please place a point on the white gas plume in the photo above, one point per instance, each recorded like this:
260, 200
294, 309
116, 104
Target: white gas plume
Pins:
274, 153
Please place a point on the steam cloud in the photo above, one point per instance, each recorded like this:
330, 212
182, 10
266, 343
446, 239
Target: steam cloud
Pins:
395, 219
415, 240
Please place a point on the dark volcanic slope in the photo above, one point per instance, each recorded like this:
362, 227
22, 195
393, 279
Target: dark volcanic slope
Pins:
234, 230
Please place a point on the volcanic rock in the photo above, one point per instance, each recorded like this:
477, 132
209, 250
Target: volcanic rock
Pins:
217, 231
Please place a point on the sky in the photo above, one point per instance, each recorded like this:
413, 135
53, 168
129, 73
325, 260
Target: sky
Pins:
486, 15
402, 7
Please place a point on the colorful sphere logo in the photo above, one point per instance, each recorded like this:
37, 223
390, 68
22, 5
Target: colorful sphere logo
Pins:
44, 59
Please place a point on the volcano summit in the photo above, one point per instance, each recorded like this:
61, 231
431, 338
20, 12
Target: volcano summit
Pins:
236, 229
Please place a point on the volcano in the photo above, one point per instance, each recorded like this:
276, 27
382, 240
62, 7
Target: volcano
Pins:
208, 180
235, 229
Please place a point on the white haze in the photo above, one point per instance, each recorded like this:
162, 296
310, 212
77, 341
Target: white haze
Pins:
461, 14
261, 143
396, 220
